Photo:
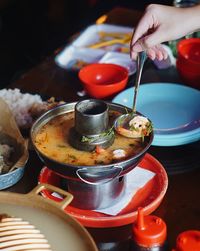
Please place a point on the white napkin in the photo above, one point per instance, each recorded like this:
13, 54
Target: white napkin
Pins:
136, 179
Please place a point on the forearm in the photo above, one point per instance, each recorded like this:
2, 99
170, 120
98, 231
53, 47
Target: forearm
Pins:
177, 22
192, 17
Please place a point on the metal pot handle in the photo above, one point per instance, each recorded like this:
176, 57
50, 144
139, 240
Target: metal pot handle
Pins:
60, 204
98, 175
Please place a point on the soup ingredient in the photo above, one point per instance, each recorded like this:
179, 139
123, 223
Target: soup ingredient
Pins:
55, 133
99, 149
5, 157
138, 122
141, 125
136, 127
119, 153
109, 132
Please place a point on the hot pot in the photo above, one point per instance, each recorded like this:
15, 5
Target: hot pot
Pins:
94, 186
60, 230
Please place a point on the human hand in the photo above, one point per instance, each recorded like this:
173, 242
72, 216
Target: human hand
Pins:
159, 24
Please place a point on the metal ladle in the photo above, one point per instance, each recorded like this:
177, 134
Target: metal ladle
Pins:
122, 122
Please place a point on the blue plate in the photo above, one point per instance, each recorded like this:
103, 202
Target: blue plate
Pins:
174, 110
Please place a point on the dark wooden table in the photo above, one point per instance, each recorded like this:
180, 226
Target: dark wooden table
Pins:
181, 206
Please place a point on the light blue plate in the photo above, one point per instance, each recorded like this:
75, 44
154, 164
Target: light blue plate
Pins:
174, 110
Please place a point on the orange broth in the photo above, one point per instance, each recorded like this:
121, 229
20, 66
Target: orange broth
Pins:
52, 141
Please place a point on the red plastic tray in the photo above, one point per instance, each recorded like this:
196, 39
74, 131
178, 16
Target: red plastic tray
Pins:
149, 197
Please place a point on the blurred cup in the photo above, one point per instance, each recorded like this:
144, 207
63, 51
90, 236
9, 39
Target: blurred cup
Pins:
185, 3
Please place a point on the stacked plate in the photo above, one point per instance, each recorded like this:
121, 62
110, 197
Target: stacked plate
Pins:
174, 110
178, 159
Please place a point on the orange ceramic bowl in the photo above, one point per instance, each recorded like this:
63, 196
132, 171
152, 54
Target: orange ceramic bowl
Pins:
188, 61
189, 53
103, 80
189, 76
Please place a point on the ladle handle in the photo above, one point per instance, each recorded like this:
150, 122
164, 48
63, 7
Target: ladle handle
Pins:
99, 175
140, 63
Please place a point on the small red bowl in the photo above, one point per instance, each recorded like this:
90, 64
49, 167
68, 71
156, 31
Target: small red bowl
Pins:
189, 76
103, 80
188, 61
184, 67
189, 53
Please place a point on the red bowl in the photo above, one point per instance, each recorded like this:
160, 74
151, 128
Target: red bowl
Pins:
184, 67
189, 76
189, 53
103, 80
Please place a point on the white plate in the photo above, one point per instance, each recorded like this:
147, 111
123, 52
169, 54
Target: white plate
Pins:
119, 59
75, 58
78, 54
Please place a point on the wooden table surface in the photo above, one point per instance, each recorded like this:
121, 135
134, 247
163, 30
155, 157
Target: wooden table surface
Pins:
181, 205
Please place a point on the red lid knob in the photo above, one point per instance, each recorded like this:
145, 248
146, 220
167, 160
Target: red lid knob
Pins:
188, 241
149, 230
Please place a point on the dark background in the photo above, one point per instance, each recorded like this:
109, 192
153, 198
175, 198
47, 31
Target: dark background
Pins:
31, 29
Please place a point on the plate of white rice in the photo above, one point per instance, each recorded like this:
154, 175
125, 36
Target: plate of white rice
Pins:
20, 105
26, 107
